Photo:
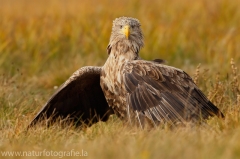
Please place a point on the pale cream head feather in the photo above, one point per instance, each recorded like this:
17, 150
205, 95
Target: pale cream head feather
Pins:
128, 31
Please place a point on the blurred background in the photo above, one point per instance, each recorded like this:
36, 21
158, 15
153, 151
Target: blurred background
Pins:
42, 42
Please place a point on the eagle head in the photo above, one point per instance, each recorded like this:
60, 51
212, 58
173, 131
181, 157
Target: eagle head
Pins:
128, 31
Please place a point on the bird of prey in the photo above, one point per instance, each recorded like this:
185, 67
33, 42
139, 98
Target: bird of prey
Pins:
138, 91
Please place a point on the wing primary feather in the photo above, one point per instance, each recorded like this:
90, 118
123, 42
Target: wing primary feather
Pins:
155, 113
128, 111
135, 102
161, 110
142, 104
149, 115
139, 119
130, 84
171, 109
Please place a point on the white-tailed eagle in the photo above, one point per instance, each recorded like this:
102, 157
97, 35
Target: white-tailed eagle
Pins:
136, 90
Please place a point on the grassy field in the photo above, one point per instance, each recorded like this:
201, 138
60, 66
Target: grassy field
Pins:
43, 42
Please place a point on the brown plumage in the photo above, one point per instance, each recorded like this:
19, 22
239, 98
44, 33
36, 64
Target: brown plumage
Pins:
80, 99
135, 90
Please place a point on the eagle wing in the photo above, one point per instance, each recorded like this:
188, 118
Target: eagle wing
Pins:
80, 99
164, 94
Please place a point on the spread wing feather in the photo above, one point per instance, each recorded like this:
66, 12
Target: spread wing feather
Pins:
165, 94
80, 99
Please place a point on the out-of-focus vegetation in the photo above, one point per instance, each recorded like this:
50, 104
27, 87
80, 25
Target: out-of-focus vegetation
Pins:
43, 42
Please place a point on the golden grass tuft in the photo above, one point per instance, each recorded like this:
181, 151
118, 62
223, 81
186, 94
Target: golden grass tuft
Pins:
43, 42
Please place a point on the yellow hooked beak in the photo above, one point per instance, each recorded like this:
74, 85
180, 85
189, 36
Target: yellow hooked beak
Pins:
126, 30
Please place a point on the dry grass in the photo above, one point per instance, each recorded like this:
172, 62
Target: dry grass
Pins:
42, 42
